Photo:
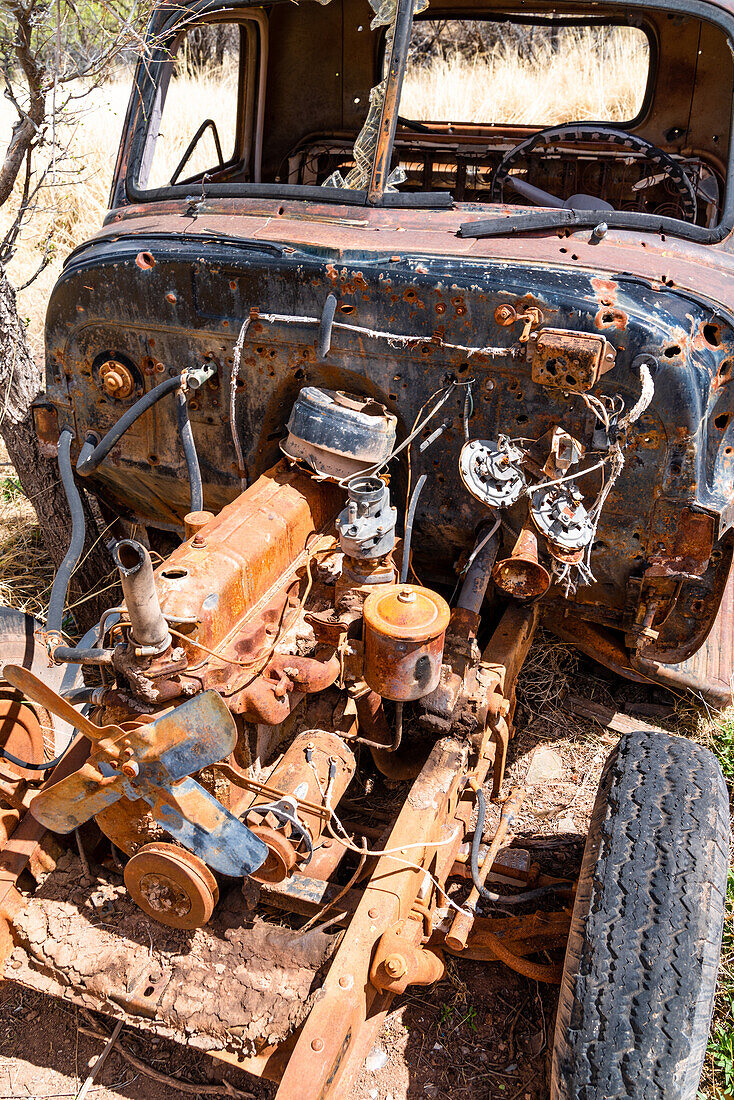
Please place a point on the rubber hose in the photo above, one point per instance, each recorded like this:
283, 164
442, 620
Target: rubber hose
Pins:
49, 763
189, 449
409, 526
60, 587
91, 456
77, 655
489, 895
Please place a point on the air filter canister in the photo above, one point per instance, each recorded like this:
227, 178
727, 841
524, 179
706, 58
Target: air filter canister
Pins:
404, 629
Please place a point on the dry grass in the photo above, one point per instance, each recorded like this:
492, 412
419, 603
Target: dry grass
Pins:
601, 77
73, 205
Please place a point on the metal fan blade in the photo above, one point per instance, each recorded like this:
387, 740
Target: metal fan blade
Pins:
205, 827
66, 805
197, 733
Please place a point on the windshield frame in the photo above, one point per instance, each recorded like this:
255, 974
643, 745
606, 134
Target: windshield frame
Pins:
167, 23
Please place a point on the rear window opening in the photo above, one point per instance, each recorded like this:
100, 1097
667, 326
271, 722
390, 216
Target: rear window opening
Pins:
489, 73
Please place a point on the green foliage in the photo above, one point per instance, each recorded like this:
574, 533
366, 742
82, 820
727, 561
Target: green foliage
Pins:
10, 490
720, 1050
722, 744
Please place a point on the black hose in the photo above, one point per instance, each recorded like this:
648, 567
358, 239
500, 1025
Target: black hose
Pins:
91, 455
49, 763
189, 449
409, 526
79, 655
60, 588
79, 694
488, 895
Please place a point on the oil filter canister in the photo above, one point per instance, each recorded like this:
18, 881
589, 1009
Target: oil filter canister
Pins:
404, 629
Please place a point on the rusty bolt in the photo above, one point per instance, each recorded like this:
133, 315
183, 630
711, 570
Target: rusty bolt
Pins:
395, 966
116, 380
372, 913
131, 769
198, 541
317, 1045
505, 315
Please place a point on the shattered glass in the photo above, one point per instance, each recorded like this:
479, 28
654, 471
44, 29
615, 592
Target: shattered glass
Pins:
358, 177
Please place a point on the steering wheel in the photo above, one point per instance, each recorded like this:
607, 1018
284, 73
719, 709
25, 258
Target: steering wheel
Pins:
590, 132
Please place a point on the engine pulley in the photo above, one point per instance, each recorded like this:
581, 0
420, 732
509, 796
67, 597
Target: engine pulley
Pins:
171, 885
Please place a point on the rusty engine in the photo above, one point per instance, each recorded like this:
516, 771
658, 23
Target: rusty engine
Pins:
291, 630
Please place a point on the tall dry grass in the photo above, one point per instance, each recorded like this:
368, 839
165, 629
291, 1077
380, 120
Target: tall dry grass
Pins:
593, 75
73, 203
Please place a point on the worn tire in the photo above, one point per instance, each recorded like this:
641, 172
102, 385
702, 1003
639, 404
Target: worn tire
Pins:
640, 970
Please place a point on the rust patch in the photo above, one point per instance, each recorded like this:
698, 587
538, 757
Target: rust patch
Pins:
608, 317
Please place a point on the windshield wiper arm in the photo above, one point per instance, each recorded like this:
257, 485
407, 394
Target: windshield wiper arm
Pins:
508, 225
511, 225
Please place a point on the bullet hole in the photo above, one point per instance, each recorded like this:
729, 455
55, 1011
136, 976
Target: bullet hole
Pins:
725, 371
347, 309
671, 351
722, 421
145, 261
712, 335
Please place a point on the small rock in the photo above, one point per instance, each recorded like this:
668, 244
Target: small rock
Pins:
437, 1046
566, 825
545, 765
375, 1060
374, 1093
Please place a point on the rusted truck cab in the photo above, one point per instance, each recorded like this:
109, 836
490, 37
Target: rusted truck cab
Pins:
433, 381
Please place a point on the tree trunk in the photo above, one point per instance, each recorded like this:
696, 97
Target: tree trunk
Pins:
21, 380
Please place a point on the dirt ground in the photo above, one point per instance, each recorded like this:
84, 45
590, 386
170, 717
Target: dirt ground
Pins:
482, 1033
